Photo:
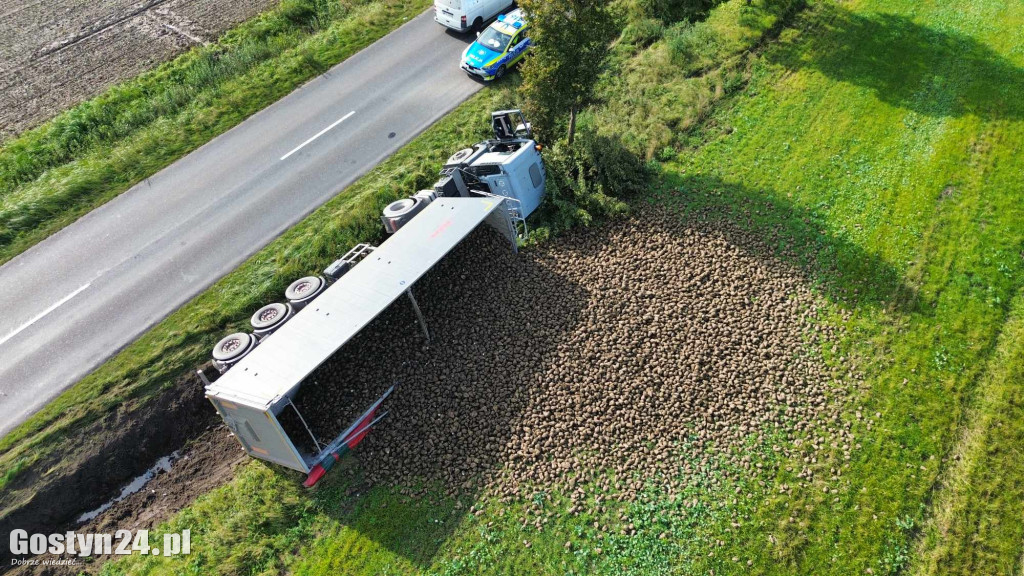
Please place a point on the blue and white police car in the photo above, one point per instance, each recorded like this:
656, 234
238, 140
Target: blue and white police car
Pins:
499, 47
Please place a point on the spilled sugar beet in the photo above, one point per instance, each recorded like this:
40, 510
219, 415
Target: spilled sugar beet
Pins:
647, 348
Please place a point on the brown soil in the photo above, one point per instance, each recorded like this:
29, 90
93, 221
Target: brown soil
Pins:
204, 464
207, 462
54, 55
95, 461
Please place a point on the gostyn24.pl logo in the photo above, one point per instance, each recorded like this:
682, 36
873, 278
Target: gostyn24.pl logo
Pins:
122, 542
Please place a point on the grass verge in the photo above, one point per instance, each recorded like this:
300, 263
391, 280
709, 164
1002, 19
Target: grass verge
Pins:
52, 175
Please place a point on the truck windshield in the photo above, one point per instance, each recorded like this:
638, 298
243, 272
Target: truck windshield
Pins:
494, 40
453, 4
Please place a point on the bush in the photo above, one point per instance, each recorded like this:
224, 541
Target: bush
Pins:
589, 181
688, 43
300, 13
670, 11
644, 32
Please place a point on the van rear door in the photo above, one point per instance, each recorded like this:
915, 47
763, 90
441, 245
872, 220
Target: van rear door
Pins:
449, 13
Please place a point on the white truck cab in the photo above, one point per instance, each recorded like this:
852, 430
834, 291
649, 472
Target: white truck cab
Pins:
465, 15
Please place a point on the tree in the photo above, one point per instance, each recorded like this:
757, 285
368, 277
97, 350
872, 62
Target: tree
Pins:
570, 42
670, 11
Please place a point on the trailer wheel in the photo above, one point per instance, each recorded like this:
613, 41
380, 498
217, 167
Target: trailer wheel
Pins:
269, 318
305, 290
399, 212
302, 288
233, 347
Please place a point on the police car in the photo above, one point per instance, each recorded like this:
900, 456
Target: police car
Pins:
498, 47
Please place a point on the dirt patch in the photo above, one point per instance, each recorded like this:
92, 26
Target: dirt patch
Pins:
54, 55
204, 464
103, 456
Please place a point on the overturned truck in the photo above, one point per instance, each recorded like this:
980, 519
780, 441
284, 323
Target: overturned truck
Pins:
499, 182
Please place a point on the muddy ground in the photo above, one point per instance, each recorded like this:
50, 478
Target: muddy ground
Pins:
57, 53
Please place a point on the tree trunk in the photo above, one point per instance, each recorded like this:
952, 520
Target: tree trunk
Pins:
572, 124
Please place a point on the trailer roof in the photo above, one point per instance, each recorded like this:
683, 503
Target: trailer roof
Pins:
280, 363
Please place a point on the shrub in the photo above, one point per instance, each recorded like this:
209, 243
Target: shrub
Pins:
669, 11
689, 43
300, 13
644, 32
590, 181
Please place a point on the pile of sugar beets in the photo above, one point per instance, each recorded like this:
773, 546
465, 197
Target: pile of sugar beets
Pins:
647, 350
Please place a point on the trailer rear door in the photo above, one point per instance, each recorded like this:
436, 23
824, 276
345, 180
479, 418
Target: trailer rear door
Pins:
260, 434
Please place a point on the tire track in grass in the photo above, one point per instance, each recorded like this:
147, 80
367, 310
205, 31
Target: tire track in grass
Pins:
977, 524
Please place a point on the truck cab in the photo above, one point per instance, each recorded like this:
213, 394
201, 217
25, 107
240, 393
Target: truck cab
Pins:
508, 166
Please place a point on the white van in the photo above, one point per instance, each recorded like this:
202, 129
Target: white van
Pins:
463, 15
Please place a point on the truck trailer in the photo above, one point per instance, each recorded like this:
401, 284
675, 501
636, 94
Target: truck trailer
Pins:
499, 181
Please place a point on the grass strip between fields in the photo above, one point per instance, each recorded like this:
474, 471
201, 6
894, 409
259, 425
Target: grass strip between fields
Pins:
54, 174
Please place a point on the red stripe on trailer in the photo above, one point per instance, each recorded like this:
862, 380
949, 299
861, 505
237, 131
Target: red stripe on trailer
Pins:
347, 441
315, 475
444, 226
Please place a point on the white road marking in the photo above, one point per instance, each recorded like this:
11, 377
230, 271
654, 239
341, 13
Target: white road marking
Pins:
319, 134
44, 313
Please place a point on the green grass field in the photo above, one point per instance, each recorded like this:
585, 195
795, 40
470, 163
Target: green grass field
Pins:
878, 144
54, 174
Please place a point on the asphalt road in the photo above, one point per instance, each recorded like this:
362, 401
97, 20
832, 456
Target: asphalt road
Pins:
74, 300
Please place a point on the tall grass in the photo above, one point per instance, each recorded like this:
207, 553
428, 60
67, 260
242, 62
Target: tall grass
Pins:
666, 79
53, 174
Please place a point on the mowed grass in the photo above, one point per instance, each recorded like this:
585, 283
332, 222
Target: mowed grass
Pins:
975, 526
897, 127
52, 175
877, 145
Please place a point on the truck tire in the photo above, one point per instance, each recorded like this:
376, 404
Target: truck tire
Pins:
304, 290
399, 212
268, 319
459, 157
400, 208
231, 349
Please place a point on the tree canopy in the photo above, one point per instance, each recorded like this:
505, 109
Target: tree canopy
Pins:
570, 42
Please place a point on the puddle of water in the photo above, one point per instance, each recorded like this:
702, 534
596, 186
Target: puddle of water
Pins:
162, 465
